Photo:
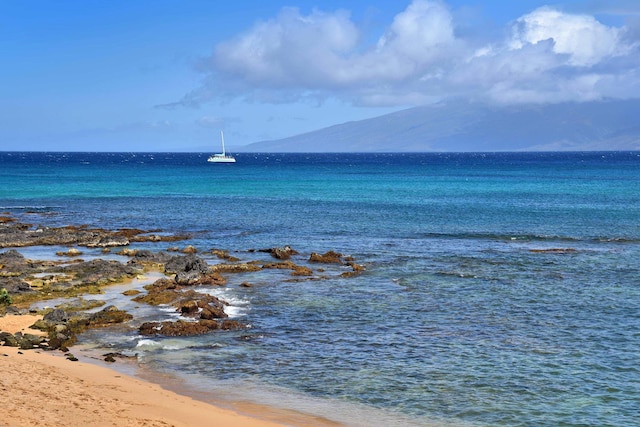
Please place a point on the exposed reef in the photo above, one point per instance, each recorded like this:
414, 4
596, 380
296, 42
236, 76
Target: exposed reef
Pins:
70, 278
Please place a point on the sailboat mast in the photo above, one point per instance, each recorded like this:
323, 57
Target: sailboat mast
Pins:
222, 137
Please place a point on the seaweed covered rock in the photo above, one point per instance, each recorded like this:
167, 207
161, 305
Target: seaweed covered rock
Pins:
23, 341
330, 257
63, 327
108, 316
99, 272
183, 328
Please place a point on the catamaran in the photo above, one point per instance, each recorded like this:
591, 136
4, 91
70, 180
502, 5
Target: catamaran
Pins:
221, 157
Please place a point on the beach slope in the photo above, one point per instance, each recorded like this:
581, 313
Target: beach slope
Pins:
41, 389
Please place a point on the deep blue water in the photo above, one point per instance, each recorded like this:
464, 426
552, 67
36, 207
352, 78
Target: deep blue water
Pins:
461, 317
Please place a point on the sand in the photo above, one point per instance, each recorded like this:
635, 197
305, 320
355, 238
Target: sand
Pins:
38, 388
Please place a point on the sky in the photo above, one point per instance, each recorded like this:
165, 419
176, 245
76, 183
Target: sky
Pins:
168, 75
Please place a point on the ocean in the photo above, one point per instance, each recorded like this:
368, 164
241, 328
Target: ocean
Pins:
501, 289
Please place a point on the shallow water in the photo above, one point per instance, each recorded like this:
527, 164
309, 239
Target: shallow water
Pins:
501, 289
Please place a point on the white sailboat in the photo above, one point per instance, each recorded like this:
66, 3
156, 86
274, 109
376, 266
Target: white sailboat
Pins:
222, 157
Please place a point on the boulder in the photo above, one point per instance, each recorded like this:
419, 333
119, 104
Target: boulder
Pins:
56, 316
186, 263
15, 285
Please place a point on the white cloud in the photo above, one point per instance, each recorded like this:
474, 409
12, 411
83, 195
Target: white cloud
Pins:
581, 37
547, 56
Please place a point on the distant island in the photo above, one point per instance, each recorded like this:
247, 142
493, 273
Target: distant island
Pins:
463, 126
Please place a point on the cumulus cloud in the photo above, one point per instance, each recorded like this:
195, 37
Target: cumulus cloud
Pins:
582, 38
547, 55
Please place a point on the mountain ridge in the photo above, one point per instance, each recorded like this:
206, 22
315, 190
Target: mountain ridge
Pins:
466, 127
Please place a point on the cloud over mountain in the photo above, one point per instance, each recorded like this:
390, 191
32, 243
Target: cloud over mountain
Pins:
545, 56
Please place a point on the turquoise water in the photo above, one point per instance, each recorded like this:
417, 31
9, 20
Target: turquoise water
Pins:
461, 318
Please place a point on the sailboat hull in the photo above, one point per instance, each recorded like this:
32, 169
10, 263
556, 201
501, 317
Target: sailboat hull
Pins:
218, 158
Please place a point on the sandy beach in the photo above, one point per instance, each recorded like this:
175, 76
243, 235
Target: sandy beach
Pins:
42, 389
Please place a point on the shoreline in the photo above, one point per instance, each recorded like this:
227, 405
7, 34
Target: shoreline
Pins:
83, 393
92, 385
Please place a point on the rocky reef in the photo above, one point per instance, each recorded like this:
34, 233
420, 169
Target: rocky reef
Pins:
25, 281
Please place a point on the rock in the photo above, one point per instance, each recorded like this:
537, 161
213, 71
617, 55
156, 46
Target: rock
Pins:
193, 277
235, 268
15, 285
191, 303
162, 291
99, 272
330, 257
186, 263
280, 265
222, 254
70, 253
182, 328
301, 271
19, 235
284, 252
111, 357
188, 278
189, 307
108, 316
10, 340
210, 313
80, 304
127, 252
190, 250
56, 316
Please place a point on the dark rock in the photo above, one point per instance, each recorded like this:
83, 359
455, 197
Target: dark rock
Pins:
182, 328
186, 263
194, 277
15, 285
56, 316
10, 340
111, 357
7, 339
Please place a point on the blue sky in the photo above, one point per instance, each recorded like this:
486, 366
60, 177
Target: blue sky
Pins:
168, 75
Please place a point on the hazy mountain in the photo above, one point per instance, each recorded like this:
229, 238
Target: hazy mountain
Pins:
463, 126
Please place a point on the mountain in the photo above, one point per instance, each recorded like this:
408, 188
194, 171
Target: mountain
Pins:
464, 126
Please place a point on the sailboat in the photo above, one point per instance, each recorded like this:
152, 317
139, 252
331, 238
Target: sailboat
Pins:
222, 157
